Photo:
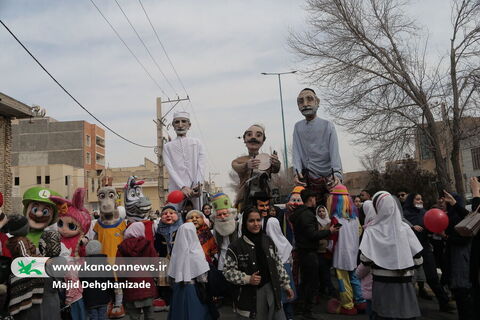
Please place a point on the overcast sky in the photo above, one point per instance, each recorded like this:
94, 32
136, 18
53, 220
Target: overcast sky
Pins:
219, 49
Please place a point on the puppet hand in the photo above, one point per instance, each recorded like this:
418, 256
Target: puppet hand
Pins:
297, 179
253, 163
187, 192
332, 183
290, 294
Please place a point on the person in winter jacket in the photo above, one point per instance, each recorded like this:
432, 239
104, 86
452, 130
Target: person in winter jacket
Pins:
413, 212
96, 299
254, 267
307, 241
138, 300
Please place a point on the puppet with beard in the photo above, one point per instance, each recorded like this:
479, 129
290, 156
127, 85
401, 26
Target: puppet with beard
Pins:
254, 173
225, 226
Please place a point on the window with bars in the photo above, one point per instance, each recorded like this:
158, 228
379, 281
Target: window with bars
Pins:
476, 158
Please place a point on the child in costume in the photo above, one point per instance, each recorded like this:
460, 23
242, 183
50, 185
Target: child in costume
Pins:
345, 252
109, 231
73, 223
25, 293
138, 300
50, 246
40, 211
96, 299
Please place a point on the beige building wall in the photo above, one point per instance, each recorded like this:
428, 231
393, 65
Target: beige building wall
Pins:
63, 179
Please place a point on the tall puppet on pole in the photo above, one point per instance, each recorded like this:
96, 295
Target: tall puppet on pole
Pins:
316, 158
185, 159
255, 169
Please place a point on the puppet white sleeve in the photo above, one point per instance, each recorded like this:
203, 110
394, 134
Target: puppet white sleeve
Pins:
296, 154
335, 159
172, 174
202, 162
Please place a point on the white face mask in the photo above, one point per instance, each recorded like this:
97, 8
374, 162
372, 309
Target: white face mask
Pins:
419, 206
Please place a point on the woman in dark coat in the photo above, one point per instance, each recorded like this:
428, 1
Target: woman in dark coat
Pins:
458, 253
413, 211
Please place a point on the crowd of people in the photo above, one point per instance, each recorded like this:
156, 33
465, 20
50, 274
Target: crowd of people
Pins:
370, 253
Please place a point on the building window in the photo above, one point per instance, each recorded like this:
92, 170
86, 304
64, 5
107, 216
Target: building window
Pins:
89, 158
66, 180
47, 179
17, 181
39, 179
93, 185
476, 158
89, 141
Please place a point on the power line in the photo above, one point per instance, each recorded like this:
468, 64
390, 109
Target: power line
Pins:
178, 78
146, 48
130, 50
163, 47
70, 95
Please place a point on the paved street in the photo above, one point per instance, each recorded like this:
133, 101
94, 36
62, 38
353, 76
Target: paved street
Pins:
429, 311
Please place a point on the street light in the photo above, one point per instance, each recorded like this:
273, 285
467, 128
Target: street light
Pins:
281, 107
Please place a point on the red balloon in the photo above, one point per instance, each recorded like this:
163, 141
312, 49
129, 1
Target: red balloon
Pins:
435, 220
175, 196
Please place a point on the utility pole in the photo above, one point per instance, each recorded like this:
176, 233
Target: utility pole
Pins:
160, 122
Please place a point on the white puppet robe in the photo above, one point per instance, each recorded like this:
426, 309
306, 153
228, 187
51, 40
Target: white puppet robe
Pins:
185, 159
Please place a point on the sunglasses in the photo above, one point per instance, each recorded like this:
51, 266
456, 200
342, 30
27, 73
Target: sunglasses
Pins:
72, 226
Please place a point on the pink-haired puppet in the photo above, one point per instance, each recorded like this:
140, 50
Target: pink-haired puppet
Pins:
73, 222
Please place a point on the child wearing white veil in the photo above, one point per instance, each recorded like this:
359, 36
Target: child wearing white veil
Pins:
392, 250
187, 269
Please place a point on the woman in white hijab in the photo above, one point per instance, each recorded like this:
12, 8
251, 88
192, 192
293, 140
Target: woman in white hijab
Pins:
393, 251
188, 271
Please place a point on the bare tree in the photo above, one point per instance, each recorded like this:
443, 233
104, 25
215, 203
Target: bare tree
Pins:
370, 61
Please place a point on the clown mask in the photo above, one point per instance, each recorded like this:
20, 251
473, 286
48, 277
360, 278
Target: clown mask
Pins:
169, 216
294, 202
68, 227
254, 137
308, 103
39, 215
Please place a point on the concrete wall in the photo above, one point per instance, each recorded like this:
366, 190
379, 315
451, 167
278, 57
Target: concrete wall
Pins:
46, 141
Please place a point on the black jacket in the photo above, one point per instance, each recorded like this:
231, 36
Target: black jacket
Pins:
93, 297
305, 226
415, 216
244, 253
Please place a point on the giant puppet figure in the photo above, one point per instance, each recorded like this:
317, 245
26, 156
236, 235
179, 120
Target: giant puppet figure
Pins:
254, 170
316, 158
185, 160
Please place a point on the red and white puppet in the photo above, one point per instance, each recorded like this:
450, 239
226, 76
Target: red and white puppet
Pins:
73, 222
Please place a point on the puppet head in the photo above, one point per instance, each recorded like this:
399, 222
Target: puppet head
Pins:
73, 219
340, 204
262, 202
308, 102
224, 215
295, 200
49, 244
181, 123
254, 137
17, 225
136, 204
107, 197
38, 208
169, 215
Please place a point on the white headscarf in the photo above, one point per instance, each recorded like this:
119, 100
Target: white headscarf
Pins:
274, 231
323, 221
388, 241
188, 259
369, 211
